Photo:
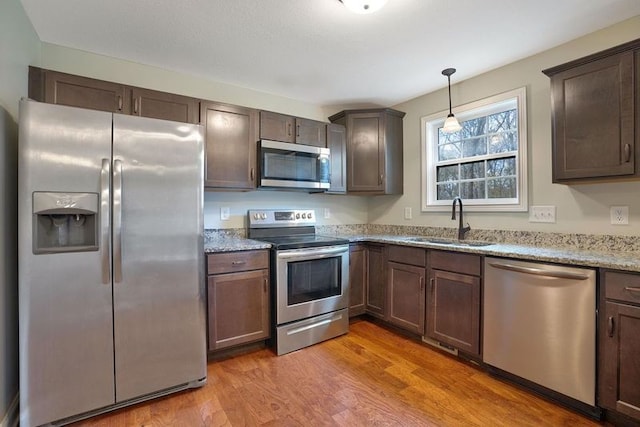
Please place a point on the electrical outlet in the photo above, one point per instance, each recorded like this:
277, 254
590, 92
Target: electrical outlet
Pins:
327, 213
224, 213
619, 215
542, 214
407, 213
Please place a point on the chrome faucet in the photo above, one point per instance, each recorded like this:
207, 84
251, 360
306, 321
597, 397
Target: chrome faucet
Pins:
461, 230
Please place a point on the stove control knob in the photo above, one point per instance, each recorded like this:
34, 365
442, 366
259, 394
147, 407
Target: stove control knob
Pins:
256, 216
309, 215
304, 216
263, 216
297, 216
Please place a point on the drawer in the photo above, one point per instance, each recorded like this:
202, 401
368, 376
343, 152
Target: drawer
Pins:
407, 255
622, 286
229, 262
455, 262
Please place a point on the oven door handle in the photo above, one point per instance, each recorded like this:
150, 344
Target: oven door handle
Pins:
312, 253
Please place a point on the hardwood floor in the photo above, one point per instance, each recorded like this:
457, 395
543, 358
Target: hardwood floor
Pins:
369, 377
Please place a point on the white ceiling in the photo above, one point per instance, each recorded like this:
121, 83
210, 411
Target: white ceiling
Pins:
316, 50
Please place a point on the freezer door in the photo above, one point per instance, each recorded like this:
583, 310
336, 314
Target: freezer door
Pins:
66, 329
159, 311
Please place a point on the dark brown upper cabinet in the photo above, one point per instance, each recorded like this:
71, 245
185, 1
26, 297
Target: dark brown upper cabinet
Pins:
54, 87
281, 127
337, 144
231, 134
76, 91
595, 120
374, 150
162, 105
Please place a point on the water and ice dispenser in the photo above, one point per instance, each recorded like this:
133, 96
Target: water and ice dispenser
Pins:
65, 222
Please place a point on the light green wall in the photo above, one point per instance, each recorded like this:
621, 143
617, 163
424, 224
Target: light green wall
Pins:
19, 47
580, 209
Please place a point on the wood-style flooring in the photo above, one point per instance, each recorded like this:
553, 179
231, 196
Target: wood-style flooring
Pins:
369, 377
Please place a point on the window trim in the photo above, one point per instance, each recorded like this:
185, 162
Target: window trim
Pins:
429, 129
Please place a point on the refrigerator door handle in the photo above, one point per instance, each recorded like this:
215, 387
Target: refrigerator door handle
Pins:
117, 221
105, 176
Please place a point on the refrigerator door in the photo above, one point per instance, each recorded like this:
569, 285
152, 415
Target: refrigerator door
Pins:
66, 329
158, 266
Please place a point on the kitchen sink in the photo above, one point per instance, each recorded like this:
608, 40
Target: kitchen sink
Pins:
437, 241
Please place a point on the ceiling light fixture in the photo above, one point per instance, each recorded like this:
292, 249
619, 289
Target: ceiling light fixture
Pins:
363, 6
451, 124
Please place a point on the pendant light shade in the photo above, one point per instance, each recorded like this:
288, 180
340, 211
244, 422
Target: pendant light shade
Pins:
364, 6
451, 124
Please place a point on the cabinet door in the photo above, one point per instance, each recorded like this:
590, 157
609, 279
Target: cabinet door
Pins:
593, 119
453, 314
406, 296
277, 127
365, 152
162, 105
238, 308
337, 143
83, 92
231, 146
376, 285
357, 279
620, 367
311, 132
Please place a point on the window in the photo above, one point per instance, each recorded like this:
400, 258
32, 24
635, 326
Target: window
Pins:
484, 163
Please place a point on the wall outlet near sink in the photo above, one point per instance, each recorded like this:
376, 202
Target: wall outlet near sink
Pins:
542, 214
619, 215
224, 213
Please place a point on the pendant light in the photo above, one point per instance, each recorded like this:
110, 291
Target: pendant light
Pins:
364, 6
451, 124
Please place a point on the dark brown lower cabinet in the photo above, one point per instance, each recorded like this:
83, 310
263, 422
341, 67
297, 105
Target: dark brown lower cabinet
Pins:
406, 296
238, 301
357, 279
377, 283
619, 380
453, 301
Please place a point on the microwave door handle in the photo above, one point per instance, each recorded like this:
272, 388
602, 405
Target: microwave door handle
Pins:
312, 253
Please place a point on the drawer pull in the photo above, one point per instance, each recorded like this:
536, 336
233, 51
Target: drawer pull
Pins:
238, 262
610, 326
632, 288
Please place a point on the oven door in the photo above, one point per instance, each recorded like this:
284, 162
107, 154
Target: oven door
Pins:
311, 281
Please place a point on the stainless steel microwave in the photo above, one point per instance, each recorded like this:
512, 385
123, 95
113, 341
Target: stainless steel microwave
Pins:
293, 166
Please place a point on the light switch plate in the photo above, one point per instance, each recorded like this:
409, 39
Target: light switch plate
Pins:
224, 213
407, 213
542, 214
619, 215
327, 213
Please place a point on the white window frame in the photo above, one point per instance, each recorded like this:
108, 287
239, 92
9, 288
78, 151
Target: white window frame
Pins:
429, 138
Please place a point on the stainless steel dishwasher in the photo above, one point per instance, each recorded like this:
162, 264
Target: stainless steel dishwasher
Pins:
540, 324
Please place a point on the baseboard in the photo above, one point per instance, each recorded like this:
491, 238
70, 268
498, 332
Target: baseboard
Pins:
11, 417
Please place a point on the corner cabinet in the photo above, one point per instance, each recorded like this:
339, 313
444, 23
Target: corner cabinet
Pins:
595, 118
238, 298
453, 300
405, 287
231, 134
374, 150
619, 343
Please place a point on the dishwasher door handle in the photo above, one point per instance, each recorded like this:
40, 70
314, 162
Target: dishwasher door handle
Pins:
556, 274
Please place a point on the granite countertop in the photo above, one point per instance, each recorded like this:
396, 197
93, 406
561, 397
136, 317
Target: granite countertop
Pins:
619, 260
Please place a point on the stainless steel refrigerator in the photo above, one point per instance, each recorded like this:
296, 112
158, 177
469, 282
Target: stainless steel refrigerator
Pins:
111, 269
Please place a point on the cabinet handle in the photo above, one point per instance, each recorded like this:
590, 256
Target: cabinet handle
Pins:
252, 174
431, 282
264, 285
627, 153
289, 129
632, 289
421, 283
610, 326
298, 131
238, 262
135, 105
119, 102
380, 179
